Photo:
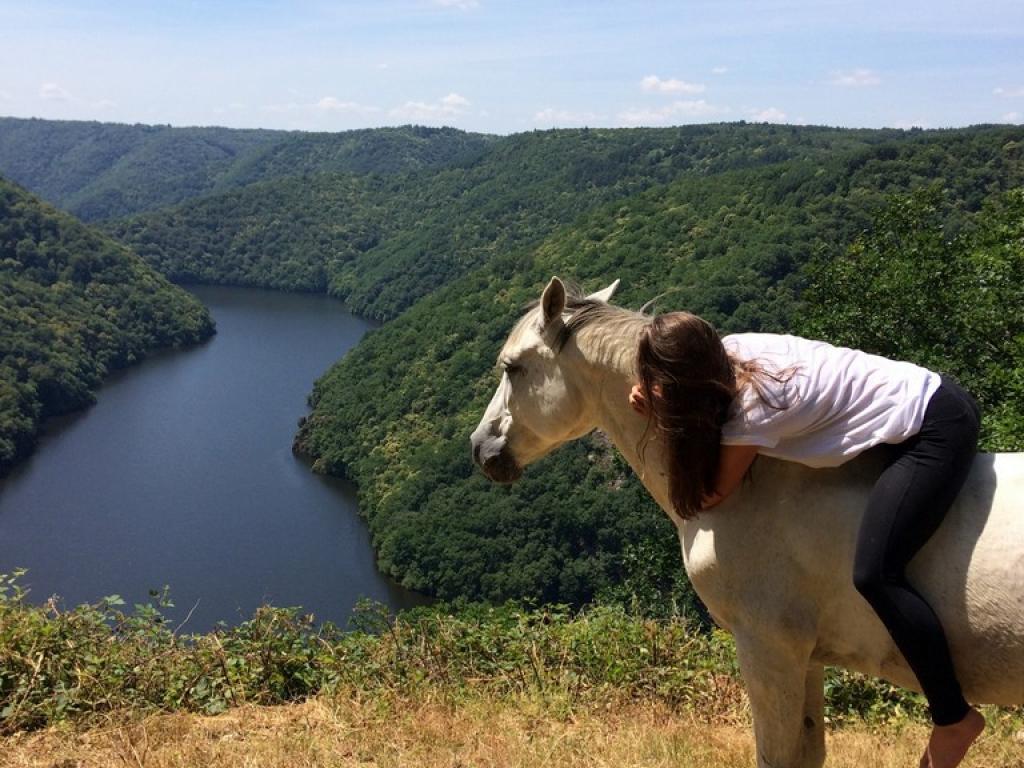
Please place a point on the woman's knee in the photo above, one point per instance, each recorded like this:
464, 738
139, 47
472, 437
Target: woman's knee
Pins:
869, 581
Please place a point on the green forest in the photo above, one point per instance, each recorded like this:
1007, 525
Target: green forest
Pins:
104, 170
74, 305
382, 243
751, 249
907, 243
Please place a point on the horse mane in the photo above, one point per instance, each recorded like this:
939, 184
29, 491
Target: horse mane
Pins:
621, 327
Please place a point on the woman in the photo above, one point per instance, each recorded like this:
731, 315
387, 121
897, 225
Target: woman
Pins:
719, 402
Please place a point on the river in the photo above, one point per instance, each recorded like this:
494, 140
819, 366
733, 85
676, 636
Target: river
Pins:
182, 474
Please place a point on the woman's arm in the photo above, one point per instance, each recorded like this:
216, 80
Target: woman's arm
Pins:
733, 463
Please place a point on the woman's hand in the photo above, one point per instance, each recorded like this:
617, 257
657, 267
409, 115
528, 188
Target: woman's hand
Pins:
637, 400
733, 463
713, 499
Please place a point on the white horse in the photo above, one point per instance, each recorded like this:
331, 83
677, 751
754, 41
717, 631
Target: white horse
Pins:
774, 562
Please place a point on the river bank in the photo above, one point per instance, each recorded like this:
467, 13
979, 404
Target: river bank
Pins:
182, 474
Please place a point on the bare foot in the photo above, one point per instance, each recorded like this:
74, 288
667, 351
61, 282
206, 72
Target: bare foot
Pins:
949, 743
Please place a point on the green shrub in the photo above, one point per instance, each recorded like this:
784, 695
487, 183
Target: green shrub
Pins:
82, 663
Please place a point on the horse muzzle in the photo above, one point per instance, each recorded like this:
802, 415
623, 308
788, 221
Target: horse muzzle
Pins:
492, 456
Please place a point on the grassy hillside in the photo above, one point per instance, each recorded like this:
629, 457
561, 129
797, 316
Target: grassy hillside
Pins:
395, 414
417, 689
74, 304
346, 729
104, 170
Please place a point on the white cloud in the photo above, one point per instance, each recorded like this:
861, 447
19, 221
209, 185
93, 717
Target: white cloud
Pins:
57, 95
719, 70
326, 113
677, 110
449, 107
906, 125
1009, 92
53, 92
327, 105
564, 117
654, 84
332, 104
5, 96
855, 78
770, 115
454, 102
462, 5
1011, 117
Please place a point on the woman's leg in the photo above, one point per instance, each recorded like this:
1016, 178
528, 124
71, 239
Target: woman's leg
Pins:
906, 506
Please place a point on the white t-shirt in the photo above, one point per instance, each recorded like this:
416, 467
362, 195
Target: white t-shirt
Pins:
836, 403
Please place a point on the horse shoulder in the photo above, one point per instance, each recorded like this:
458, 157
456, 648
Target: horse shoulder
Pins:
754, 559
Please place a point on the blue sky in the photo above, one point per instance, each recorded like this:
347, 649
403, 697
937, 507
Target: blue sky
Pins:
503, 67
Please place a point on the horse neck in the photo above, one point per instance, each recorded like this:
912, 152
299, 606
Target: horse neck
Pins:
608, 355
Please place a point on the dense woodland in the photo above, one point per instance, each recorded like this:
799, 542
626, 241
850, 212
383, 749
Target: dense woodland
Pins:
103, 170
381, 244
739, 247
903, 242
74, 304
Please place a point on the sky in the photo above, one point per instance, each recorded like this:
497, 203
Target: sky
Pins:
499, 66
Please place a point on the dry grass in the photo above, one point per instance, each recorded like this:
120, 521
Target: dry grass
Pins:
480, 731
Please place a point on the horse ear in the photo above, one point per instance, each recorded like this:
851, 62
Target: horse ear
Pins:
606, 294
552, 301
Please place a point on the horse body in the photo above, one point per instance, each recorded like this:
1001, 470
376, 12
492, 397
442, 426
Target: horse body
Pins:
774, 562
781, 552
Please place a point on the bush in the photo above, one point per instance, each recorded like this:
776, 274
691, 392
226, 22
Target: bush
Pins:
83, 663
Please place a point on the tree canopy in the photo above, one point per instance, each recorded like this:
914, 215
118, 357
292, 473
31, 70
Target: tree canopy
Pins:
106, 170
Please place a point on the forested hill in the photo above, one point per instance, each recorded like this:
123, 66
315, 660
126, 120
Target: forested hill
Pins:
382, 243
73, 305
926, 273
104, 170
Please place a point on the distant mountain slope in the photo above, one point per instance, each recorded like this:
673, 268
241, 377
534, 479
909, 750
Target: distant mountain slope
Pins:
104, 170
96, 170
365, 151
381, 244
73, 305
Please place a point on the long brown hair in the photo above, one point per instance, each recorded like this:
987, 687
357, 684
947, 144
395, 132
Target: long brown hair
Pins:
682, 358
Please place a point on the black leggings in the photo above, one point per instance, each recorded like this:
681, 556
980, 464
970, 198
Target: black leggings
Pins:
908, 503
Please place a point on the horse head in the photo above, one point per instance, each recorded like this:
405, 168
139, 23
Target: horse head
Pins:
542, 400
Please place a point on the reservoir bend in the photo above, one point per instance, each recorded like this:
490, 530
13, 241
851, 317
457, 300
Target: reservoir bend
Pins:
182, 474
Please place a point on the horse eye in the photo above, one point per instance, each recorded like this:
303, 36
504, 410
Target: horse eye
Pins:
513, 369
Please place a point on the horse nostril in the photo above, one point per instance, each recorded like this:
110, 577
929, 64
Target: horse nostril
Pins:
476, 453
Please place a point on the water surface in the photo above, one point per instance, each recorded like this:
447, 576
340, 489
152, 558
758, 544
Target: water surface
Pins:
182, 474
